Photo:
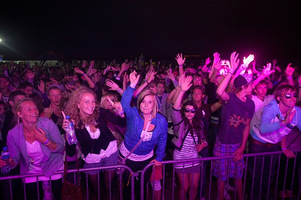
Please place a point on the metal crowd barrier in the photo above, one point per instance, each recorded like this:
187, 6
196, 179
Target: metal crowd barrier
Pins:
208, 187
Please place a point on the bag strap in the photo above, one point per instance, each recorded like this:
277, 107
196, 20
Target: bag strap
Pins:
140, 141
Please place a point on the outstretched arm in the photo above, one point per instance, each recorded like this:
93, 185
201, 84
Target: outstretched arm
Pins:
234, 61
184, 85
179, 58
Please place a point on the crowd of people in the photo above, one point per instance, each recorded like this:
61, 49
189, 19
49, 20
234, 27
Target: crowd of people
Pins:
138, 113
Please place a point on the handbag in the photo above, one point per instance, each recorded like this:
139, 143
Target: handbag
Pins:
71, 191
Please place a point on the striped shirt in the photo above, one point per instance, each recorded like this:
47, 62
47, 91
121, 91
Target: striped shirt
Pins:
188, 151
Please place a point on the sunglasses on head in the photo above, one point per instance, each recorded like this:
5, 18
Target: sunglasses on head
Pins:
188, 110
288, 96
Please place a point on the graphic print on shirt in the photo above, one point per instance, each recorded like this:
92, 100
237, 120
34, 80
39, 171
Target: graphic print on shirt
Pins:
235, 120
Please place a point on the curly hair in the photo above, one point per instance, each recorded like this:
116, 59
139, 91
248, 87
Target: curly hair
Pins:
71, 107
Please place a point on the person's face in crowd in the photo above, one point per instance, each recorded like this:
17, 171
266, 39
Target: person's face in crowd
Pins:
288, 99
248, 89
147, 104
28, 91
197, 80
154, 89
29, 112
16, 100
96, 77
107, 104
189, 112
3, 83
261, 90
55, 96
197, 95
86, 104
2, 109
160, 88
29, 75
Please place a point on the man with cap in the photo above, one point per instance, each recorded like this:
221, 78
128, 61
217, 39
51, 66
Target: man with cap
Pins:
237, 112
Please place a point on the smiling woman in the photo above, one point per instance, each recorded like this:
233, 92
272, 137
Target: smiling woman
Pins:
98, 145
36, 144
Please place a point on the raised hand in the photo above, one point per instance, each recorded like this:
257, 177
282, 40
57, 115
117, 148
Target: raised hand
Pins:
170, 75
112, 85
248, 60
77, 70
289, 71
180, 60
134, 78
234, 61
150, 76
185, 82
267, 70
85, 64
208, 61
41, 86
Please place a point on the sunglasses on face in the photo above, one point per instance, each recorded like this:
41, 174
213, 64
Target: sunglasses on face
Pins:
288, 96
188, 110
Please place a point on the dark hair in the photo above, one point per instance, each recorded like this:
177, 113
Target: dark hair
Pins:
196, 121
198, 87
25, 84
13, 95
5, 77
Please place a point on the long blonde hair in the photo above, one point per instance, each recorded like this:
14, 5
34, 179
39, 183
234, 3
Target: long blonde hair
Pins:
72, 109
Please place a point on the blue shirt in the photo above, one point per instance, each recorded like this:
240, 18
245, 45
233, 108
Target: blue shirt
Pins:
135, 124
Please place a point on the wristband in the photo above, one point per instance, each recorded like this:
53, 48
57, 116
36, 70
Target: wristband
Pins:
284, 148
289, 77
47, 141
132, 85
83, 74
119, 90
231, 71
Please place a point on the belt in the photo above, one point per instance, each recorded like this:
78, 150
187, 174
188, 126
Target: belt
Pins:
261, 143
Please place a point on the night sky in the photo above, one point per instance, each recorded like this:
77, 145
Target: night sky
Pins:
158, 29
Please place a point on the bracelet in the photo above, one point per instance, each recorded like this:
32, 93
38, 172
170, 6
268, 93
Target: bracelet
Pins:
83, 74
284, 148
289, 77
119, 90
47, 142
